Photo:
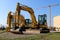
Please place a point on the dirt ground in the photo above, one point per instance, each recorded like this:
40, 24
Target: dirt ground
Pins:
12, 35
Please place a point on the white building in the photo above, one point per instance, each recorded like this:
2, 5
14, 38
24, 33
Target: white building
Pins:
57, 23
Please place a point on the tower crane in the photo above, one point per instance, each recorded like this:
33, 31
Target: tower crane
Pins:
49, 10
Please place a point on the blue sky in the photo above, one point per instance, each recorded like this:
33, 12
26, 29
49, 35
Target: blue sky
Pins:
36, 5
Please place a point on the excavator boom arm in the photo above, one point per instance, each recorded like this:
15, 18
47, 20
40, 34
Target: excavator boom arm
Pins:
28, 9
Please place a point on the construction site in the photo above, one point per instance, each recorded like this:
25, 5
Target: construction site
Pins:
20, 28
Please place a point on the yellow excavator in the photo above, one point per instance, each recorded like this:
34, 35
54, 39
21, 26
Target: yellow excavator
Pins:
14, 21
17, 21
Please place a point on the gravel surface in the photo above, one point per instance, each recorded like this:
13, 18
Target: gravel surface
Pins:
26, 34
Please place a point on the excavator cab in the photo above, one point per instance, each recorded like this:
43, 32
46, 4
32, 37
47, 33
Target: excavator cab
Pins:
27, 23
42, 21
